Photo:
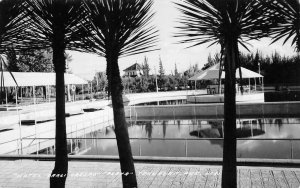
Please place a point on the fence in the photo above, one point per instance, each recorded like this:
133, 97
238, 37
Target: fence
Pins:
178, 147
271, 109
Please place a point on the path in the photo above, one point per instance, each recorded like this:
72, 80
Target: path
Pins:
27, 173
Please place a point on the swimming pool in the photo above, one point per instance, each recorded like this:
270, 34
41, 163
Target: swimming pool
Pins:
272, 138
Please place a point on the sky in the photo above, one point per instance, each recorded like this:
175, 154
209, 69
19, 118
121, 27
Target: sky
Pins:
165, 20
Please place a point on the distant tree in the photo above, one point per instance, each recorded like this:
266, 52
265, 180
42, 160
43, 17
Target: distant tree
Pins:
141, 84
172, 82
128, 84
192, 70
176, 71
100, 80
145, 67
212, 60
33, 60
161, 75
152, 83
144, 83
177, 77
161, 70
12, 64
272, 69
195, 68
184, 80
276, 58
256, 61
68, 57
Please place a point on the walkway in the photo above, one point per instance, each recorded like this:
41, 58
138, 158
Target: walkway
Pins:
27, 173
77, 124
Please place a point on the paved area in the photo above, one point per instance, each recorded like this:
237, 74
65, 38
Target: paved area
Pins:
28, 173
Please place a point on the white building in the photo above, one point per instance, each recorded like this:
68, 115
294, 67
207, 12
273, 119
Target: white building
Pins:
134, 70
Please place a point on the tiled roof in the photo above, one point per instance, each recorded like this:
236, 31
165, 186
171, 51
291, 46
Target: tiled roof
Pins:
135, 66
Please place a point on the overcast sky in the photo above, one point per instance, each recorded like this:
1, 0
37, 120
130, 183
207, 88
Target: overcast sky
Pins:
85, 65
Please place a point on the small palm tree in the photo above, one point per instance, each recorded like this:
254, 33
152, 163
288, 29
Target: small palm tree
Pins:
56, 24
228, 23
120, 28
286, 13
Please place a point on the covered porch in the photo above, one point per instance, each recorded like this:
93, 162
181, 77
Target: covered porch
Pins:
252, 85
25, 87
213, 73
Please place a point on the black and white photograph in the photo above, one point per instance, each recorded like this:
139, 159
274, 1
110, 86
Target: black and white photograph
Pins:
149, 93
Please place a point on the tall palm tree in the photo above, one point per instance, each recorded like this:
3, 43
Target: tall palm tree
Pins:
286, 13
56, 24
228, 23
120, 28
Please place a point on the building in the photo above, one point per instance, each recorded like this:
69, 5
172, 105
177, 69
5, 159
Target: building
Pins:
134, 70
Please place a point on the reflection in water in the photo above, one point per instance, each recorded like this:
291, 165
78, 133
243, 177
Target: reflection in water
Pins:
148, 129
190, 131
164, 126
214, 129
207, 133
107, 130
279, 123
178, 125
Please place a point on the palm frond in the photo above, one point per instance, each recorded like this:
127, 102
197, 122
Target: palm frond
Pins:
286, 13
211, 21
120, 25
50, 17
12, 23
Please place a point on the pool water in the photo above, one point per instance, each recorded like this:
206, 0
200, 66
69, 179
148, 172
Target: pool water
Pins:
198, 138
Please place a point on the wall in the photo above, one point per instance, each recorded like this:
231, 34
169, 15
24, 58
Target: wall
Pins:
243, 110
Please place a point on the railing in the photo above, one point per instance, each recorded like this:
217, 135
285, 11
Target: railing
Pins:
183, 147
216, 110
138, 98
35, 145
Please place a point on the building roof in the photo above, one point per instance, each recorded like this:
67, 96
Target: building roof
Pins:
135, 66
37, 79
208, 74
213, 73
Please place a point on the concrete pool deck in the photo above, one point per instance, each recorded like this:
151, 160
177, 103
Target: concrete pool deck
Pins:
29, 173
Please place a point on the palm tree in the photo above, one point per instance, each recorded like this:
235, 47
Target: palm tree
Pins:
120, 28
286, 13
228, 23
56, 24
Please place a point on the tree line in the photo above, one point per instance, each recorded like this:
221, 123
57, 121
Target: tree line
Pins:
277, 70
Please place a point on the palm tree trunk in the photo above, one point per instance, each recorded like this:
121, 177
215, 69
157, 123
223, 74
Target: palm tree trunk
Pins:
121, 131
59, 173
229, 149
